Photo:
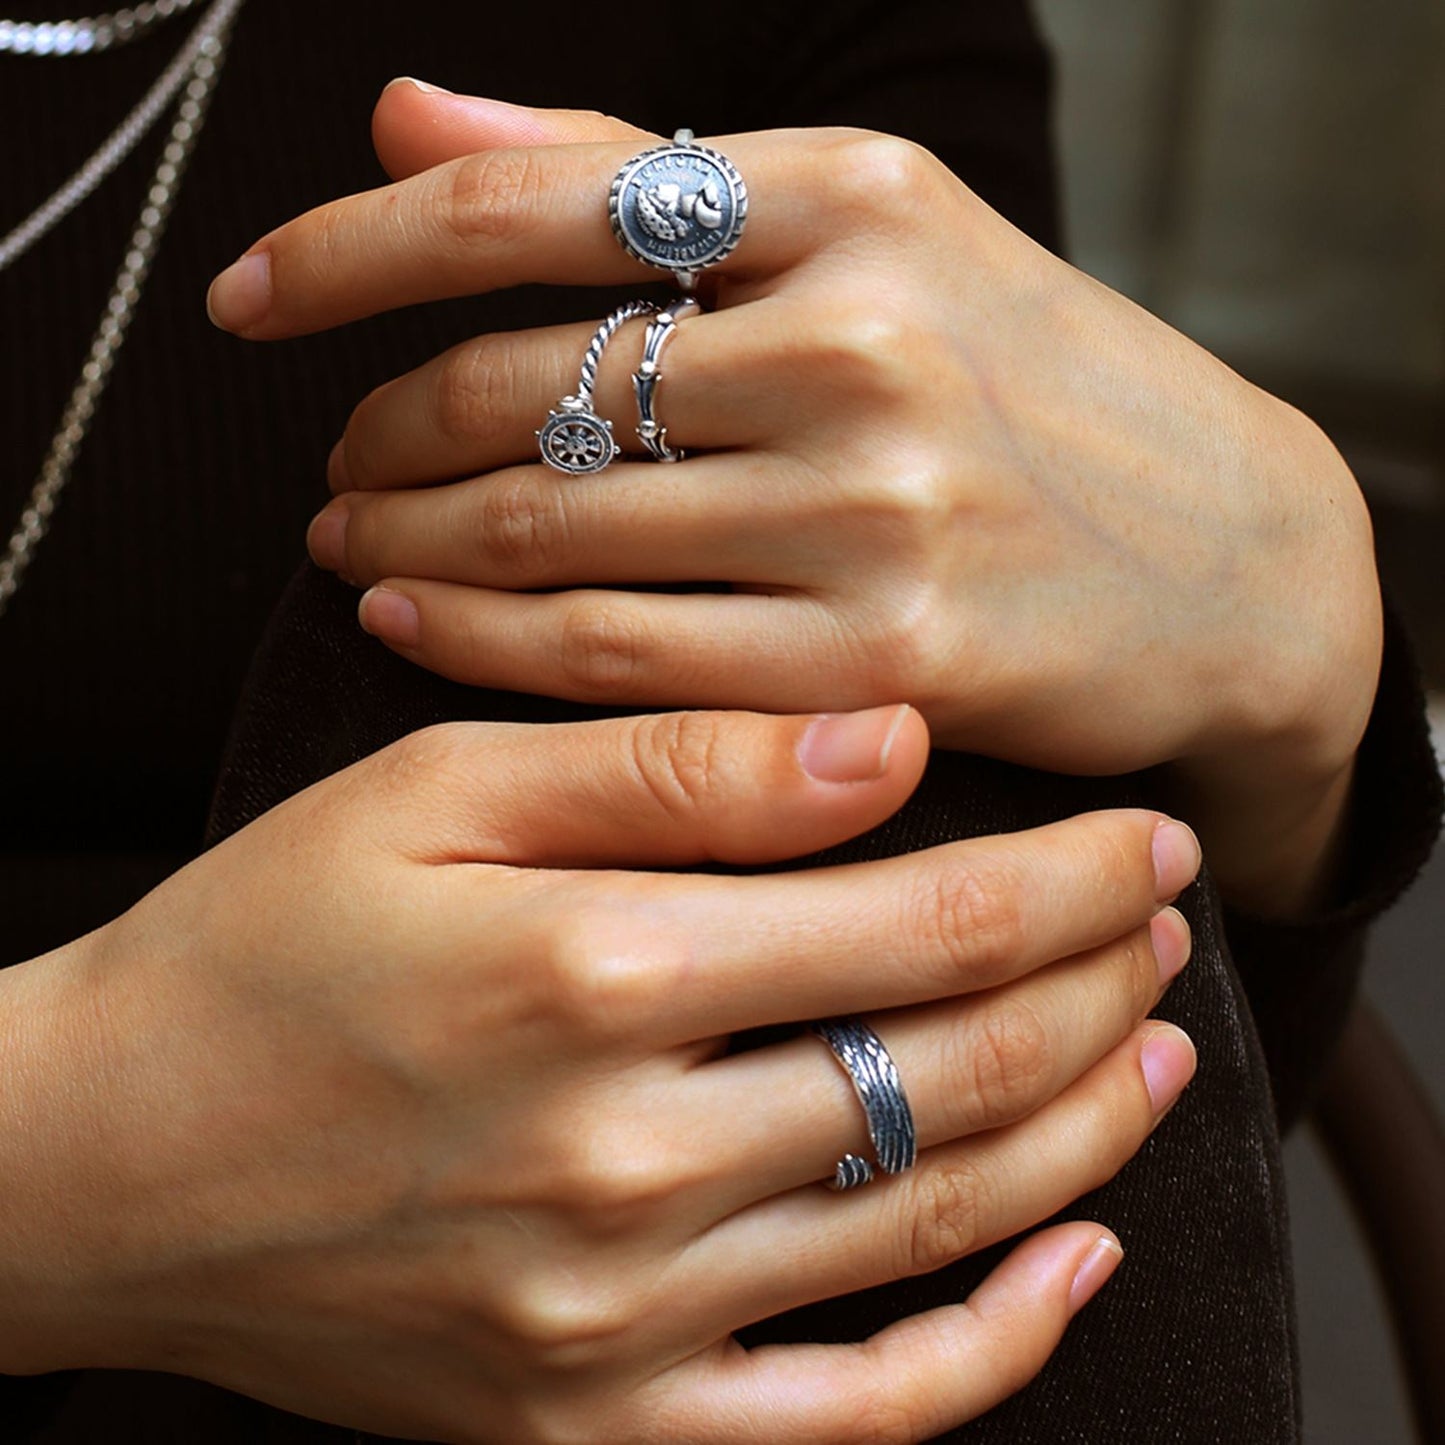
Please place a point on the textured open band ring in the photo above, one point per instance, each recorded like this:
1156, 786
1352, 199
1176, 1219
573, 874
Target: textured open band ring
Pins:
648, 375
680, 207
874, 1075
574, 439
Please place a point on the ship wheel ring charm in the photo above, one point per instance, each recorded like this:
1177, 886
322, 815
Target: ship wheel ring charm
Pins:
680, 207
574, 439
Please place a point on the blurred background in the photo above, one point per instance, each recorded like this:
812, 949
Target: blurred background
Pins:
1269, 176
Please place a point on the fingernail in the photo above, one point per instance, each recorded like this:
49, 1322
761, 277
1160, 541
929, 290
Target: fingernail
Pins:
1168, 1061
851, 747
1170, 934
1098, 1265
240, 296
1176, 859
426, 87
326, 537
337, 476
390, 616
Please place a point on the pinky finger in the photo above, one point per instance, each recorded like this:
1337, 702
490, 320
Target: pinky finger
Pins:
913, 1380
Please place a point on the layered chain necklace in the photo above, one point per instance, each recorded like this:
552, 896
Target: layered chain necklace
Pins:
80, 37
192, 76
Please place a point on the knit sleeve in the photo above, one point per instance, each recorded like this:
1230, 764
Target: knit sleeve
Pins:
1301, 976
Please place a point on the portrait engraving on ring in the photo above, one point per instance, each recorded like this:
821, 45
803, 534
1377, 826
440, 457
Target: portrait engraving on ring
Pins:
666, 213
679, 207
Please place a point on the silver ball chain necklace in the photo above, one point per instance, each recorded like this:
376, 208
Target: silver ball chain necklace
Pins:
79, 37
192, 75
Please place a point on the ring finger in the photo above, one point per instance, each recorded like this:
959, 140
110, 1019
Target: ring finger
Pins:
960, 1198
967, 1065
721, 518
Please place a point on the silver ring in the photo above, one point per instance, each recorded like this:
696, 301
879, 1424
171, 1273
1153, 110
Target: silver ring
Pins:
874, 1076
574, 439
645, 380
680, 207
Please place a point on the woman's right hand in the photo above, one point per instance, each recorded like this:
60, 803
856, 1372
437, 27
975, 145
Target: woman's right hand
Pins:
405, 1109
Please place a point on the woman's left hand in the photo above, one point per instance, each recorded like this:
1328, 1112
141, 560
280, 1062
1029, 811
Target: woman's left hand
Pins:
935, 464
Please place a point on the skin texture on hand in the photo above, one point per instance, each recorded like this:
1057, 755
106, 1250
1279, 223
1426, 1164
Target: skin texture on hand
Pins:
938, 464
404, 1102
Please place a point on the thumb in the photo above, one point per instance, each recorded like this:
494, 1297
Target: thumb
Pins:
416, 126
658, 790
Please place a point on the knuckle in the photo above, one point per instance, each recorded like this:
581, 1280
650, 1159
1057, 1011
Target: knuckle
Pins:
680, 757
315, 245
1009, 1058
559, 1321
944, 1212
493, 196
869, 354
596, 978
910, 504
470, 395
901, 643
601, 650
1141, 973
1121, 856
627, 1184
612, 1180
422, 784
359, 437
523, 525
972, 916
884, 180
424, 778
365, 547
880, 1417
419, 757
1116, 1131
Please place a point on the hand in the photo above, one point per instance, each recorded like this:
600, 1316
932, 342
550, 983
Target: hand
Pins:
405, 1108
943, 466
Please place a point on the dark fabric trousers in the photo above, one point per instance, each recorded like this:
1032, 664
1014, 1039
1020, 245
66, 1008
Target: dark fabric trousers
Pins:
1193, 1339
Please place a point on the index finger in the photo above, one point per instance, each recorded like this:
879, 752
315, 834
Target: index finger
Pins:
502, 218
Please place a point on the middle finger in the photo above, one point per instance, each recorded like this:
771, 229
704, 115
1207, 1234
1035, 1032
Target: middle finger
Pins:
968, 1065
477, 407
716, 956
